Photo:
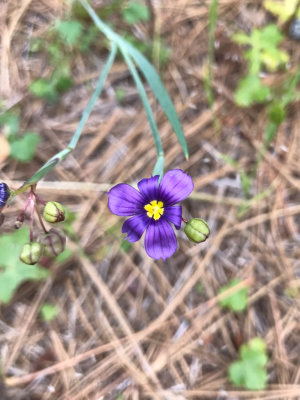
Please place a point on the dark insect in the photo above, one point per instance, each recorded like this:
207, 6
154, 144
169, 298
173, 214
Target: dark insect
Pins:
4, 194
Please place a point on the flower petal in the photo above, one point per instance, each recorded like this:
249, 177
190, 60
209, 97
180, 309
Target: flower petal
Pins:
149, 188
124, 200
135, 227
174, 214
175, 186
160, 240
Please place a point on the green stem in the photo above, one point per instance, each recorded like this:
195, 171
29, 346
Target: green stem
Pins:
94, 97
59, 157
159, 149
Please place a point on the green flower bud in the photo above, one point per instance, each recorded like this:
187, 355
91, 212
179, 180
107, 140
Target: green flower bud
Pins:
197, 230
54, 242
54, 212
31, 253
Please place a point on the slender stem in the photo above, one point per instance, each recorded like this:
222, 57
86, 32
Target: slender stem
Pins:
59, 157
32, 207
40, 219
146, 104
184, 220
95, 96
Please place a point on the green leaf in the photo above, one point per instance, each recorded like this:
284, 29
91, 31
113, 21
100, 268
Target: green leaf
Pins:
135, 12
250, 371
263, 48
10, 123
277, 113
49, 311
43, 88
12, 271
69, 31
250, 90
283, 9
24, 149
149, 72
160, 92
237, 301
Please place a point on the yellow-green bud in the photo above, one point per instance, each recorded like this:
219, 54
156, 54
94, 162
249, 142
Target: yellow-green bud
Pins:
197, 230
54, 212
31, 253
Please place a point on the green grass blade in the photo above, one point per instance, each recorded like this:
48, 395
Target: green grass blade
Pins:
59, 157
160, 92
159, 166
95, 96
146, 104
148, 71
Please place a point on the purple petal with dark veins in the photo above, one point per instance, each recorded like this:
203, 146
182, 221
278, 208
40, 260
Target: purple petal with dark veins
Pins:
160, 239
124, 200
149, 188
174, 187
135, 227
174, 214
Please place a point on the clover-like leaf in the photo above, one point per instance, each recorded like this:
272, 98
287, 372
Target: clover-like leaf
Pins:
12, 271
24, 148
250, 90
236, 301
250, 371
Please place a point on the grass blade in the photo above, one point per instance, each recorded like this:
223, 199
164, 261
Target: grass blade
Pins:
160, 153
59, 157
148, 71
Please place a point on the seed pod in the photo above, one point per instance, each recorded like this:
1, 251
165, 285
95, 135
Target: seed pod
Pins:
54, 242
197, 230
31, 253
4, 194
54, 212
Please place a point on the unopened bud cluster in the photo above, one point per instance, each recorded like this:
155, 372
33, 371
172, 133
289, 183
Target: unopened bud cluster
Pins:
51, 242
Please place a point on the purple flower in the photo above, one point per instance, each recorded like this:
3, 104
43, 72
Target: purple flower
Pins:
152, 208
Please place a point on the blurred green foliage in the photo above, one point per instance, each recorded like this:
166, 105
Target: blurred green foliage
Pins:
12, 271
65, 38
250, 371
49, 311
135, 12
22, 147
262, 52
283, 9
237, 301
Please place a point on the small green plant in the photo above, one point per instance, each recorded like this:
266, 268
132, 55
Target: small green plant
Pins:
237, 301
135, 12
22, 146
12, 271
66, 37
49, 311
250, 371
263, 52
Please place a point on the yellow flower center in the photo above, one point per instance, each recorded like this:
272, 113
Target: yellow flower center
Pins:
155, 209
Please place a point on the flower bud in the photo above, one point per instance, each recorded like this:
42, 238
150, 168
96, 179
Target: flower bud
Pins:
4, 194
31, 253
54, 212
54, 242
197, 230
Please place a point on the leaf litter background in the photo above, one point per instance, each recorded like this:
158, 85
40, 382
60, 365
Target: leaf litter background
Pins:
129, 327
